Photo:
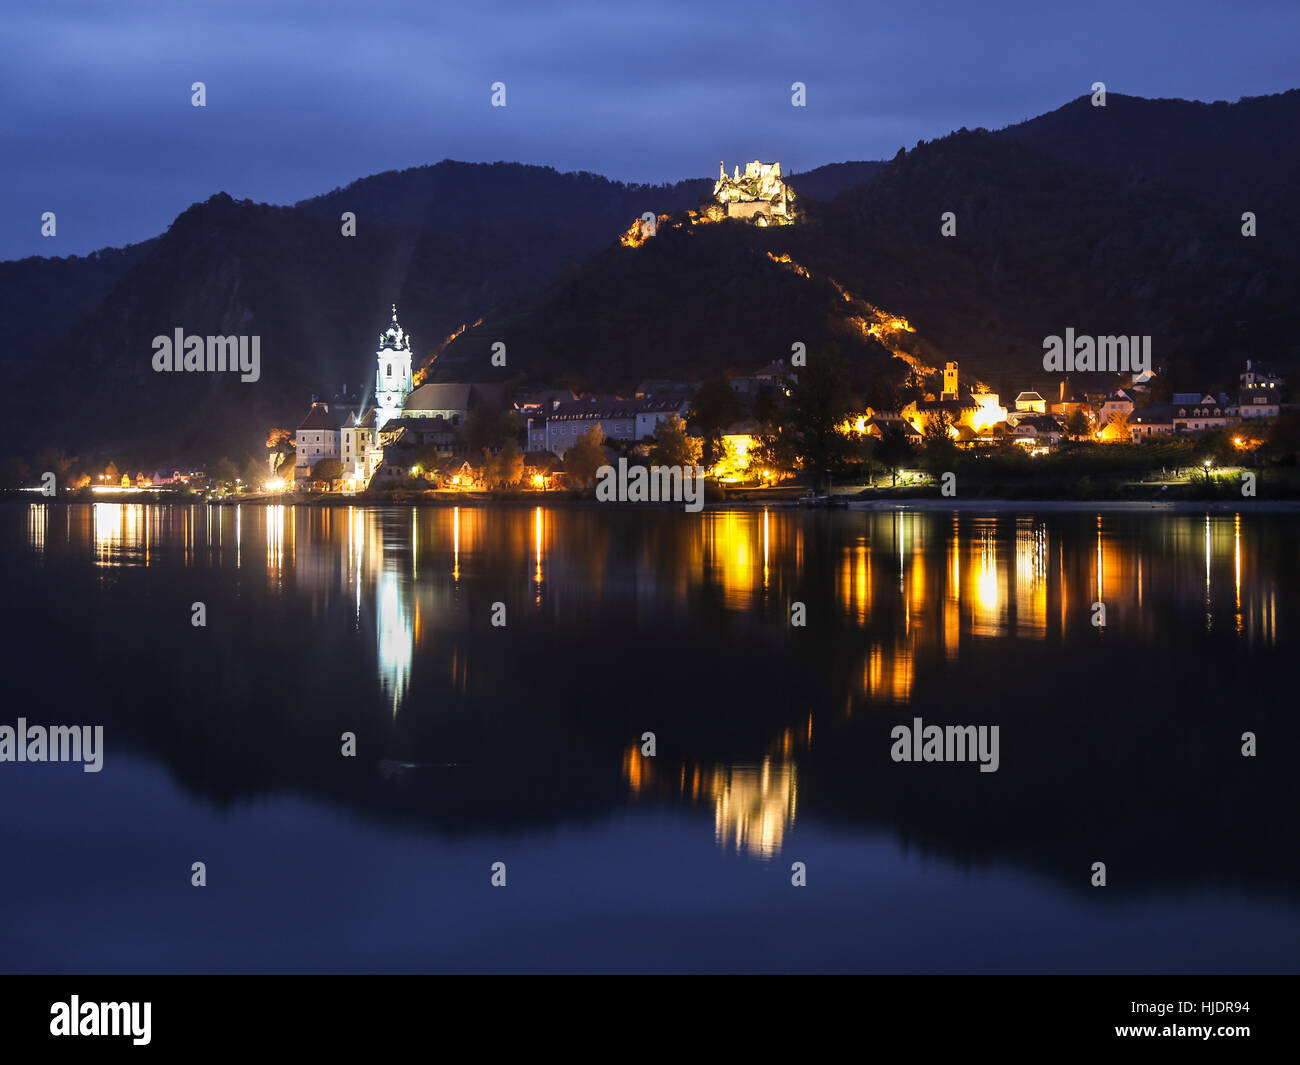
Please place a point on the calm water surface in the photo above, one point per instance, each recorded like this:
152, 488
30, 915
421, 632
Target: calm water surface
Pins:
521, 744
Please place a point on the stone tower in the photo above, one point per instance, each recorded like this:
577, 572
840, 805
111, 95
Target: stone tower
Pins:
949, 381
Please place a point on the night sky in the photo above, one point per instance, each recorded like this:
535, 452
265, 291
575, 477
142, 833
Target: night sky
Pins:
307, 95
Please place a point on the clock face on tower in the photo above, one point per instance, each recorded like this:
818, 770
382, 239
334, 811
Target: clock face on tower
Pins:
387, 400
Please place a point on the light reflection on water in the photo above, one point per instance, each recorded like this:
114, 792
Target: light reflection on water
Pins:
921, 590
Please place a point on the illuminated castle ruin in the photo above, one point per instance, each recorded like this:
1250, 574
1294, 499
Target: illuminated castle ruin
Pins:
759, 194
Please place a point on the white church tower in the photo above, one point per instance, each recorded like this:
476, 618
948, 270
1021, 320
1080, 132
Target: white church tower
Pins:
393, 375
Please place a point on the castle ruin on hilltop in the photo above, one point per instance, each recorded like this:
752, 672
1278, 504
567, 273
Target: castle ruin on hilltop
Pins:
759, 194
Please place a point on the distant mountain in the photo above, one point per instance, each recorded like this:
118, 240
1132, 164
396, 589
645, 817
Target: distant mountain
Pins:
41, 298
449, 243
1041, 244
690, 302
1234, 157
582, 210
1117, 220
830, 180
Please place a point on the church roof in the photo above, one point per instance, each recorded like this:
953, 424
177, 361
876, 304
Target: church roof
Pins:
420, 425
439, 397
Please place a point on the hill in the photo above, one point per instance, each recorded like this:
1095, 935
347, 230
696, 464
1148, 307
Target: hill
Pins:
1086, 218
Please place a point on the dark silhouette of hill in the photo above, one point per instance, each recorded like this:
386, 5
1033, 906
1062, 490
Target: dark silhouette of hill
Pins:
449, 243
1041, 245
40, 298
690, 302
1076, 219
1235, 157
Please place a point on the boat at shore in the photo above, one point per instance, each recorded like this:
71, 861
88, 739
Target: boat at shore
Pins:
830, 501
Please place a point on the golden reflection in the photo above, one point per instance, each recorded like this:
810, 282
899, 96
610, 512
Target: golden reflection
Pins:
765, 548
730, 554
1101, 590
853, 587
1209, 615
887, 673
1031, 578
38, 517
987, 616
118, 529
275, 542
397, 576
754, 806
1236, 566
537, 547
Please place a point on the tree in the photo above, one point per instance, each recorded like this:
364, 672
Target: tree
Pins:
893, 448
938, 426
820, 404
329, 470
672, 447
507, 466
277, 438
860, 450
773, 450
485, 429
223, 472
254, 474
428, 459
586, 456
1076, 425
1284, 438
938, 442
1118, 422
53, 461
112, 474
715, 407
13, 473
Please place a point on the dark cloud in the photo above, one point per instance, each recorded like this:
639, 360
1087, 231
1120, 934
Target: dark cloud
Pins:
306, 95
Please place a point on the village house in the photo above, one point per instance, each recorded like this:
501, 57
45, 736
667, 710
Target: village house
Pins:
1037, 431
316, 438
1261, 392
542, 470
1194, 412
1118, 402
1031, 403
1155, 419
629, 420
1070, 402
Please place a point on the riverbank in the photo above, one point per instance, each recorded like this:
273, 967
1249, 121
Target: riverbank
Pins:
853, 502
